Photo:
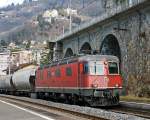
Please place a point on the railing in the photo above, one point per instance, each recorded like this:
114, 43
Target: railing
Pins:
116, 8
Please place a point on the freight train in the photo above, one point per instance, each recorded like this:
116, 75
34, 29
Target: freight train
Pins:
92, 79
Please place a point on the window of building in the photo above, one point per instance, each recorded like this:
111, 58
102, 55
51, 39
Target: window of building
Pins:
68, 71
57, 73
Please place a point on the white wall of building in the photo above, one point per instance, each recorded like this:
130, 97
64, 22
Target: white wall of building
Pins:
4, 62
25, 57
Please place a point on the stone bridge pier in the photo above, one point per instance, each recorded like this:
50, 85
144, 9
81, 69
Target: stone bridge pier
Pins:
124, 33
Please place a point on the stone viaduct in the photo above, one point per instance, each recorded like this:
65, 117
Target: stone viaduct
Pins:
123, 31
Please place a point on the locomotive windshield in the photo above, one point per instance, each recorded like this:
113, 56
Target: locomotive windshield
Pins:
113, 68
94, 68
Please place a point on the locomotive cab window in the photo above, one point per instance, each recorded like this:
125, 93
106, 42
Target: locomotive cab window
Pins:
99, 69
113, 68
96, 68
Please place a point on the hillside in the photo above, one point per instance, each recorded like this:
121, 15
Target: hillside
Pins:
17, 22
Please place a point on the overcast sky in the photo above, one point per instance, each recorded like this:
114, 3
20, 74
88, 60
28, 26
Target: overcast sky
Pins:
7, 2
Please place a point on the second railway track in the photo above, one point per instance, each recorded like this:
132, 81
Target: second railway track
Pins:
132, 111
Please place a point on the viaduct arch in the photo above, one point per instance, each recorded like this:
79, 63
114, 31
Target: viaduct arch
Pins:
86, 48
69, 53
110, 46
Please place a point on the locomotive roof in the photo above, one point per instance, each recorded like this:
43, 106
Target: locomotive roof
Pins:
99, 57
83, 58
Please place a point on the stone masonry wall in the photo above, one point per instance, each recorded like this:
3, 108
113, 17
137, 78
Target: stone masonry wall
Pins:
136, 62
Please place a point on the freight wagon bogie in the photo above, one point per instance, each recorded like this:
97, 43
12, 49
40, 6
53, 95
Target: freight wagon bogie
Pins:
102, 98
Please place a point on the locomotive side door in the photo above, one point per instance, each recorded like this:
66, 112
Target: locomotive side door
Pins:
80, 70
82, 75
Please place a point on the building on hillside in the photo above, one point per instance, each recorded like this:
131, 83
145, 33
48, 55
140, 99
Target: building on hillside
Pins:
21, 57
36, 53
49, 14
38, 50
4, 62
25, 42
33, 42
15, 58
45, 43
25, 57
70, 11
12, 46
44, 55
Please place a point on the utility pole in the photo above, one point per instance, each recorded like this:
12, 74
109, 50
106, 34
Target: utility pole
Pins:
83, 4
70, 28
63, 30
9, 63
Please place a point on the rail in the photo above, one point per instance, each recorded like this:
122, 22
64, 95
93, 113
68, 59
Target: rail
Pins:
85, 112
45, 107
133, 108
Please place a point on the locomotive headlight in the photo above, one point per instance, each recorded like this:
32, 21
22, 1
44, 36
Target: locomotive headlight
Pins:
105, 63
106, 78
95, 85
116, 85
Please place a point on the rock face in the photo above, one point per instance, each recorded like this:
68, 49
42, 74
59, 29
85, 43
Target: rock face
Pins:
123, 31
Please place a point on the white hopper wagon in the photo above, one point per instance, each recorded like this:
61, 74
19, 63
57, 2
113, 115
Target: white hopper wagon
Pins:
24, 79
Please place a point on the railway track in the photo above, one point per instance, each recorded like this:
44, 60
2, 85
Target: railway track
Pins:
45, 107
132, 111
48, 110
138, 109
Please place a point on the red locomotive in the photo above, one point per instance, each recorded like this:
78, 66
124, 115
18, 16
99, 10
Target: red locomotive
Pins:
94, 79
